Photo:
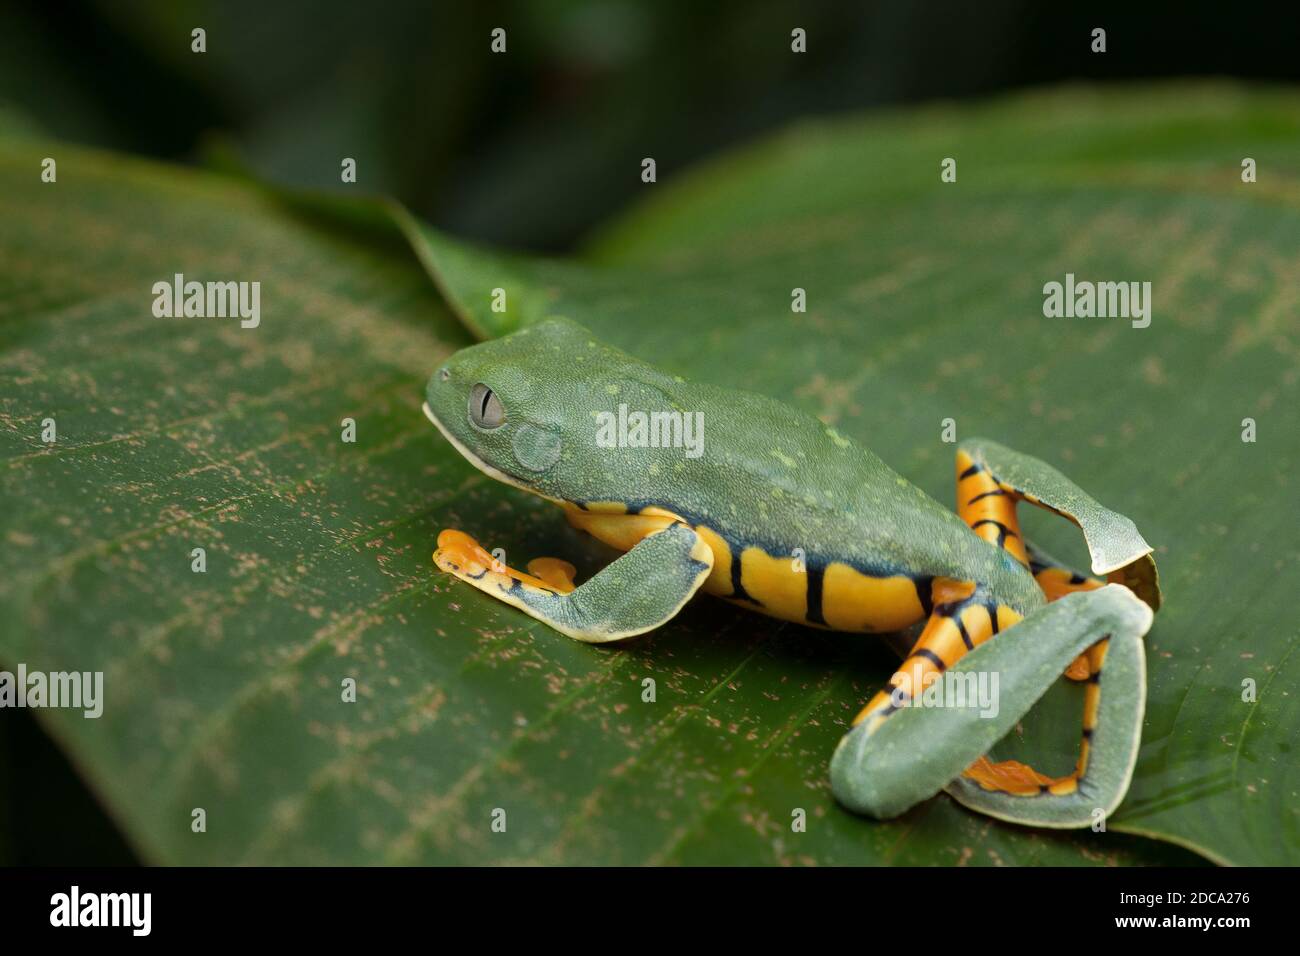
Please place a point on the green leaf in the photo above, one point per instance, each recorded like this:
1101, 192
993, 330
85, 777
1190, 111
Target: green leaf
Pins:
223, 689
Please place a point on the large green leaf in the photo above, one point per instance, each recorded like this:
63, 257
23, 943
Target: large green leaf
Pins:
925, 302
224, 688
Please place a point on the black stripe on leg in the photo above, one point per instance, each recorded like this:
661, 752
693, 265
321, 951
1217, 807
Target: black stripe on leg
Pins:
988, 494
965, 637
972, 470
1003, 531
932, 657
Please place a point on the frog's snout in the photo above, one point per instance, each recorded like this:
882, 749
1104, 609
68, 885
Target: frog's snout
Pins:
435, 389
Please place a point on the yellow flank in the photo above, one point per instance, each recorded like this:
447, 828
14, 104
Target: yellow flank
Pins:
853, 601
661, 513
618, 529
774, 583
718, 582
603, 507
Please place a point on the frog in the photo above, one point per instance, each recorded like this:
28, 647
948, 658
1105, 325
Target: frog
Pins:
774, 510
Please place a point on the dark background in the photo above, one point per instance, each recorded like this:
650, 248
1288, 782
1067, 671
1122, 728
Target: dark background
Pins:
529, 149
534, 147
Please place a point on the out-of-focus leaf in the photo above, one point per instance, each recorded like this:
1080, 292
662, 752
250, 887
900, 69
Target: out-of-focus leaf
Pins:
223, 689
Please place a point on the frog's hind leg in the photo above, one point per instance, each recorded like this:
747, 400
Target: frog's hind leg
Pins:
893, 759
635, 593
870, 772
1056, 578
988, 507
963, 618
992, 478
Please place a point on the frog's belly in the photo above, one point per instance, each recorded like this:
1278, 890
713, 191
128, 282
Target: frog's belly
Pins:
813, 591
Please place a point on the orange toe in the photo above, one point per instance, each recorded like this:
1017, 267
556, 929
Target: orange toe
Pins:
457, 551
461, 555
557, 573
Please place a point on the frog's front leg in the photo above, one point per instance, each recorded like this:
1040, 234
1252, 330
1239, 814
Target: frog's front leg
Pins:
892, 760
635, 593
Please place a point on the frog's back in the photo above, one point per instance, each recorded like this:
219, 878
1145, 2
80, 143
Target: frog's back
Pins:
805, 524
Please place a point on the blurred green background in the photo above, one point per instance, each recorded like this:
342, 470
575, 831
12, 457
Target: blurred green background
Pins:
532, 149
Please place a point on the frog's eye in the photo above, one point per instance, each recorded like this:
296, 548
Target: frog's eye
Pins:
485, 409
444, 373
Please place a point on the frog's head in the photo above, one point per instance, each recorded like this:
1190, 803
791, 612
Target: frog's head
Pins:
521, 408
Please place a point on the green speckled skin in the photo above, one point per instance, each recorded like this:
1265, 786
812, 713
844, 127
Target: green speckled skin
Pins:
769, 476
